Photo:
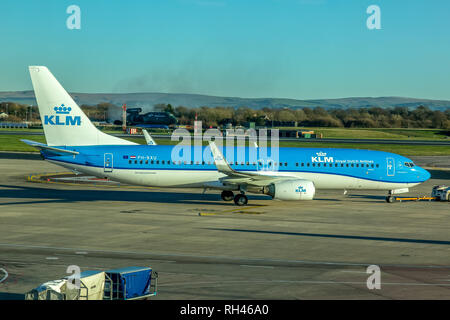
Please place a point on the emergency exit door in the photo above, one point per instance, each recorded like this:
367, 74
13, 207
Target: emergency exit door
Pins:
390, 167
108, 162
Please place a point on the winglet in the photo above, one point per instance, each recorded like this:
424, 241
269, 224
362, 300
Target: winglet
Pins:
148, 138
219, 160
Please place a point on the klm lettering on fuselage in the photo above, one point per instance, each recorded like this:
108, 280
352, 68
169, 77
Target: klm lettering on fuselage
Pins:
322, 157
62, 118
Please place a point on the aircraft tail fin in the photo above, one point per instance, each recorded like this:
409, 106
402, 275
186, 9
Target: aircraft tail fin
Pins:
65, 124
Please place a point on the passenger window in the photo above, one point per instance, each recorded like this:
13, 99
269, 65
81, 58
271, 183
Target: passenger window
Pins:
303, 164
296, 164
378, 165
135, 161
307, 164
129, 161
140, 162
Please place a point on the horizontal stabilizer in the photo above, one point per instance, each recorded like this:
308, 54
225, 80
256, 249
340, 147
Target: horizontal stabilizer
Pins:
43, 146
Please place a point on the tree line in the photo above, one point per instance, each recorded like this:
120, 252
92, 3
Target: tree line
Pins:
371, 117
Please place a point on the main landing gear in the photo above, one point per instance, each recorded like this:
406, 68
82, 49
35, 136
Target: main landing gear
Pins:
239, 199
227, 195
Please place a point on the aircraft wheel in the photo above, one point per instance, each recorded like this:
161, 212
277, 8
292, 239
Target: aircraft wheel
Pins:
390, 199
227, 195
240, 200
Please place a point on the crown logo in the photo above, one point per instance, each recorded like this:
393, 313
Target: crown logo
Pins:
321, 154
62, 109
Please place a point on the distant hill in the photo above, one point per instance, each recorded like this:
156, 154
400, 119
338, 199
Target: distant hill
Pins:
148, 100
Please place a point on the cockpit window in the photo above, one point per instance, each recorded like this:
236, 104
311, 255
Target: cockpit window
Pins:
409, 164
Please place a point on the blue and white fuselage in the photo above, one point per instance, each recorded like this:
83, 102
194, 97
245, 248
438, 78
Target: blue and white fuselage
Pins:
327, 168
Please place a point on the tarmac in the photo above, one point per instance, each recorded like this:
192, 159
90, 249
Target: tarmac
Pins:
205, 248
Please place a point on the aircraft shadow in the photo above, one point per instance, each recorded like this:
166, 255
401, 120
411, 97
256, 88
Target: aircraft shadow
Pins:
51, 195
336, 236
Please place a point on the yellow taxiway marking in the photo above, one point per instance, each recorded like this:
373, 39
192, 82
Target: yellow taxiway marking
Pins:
232, 211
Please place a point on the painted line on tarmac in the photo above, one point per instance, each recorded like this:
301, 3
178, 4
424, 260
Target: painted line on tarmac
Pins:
267, 281
353, 271
232, 211
225, 258
254, 266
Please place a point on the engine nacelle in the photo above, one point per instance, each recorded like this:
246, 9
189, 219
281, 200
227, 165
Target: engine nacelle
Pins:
291, 190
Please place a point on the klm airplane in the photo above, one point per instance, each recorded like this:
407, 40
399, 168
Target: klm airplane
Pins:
75, 143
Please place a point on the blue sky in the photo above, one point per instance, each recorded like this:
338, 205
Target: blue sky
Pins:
303, 49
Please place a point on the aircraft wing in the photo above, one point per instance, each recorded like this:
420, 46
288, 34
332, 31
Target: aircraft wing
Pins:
43, 146
261, 178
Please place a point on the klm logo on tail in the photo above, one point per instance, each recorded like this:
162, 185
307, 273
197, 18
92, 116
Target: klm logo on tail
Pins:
62, 117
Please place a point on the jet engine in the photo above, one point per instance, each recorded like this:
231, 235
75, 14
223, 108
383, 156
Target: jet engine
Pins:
291, 190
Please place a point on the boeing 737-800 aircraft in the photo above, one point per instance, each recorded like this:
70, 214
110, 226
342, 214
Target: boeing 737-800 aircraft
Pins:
75, 143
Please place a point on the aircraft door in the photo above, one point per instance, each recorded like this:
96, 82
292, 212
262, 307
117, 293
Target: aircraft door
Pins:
390, 167
108, 162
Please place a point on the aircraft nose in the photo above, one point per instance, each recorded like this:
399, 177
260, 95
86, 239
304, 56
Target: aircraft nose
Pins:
424, 174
